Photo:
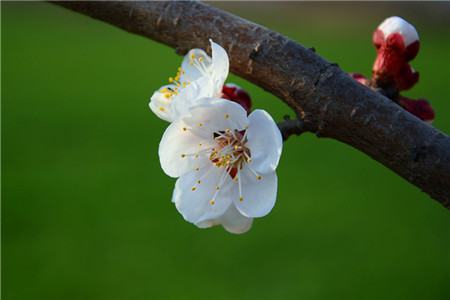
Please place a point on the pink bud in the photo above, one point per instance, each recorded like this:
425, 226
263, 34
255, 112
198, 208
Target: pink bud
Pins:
397, 43
360, 78
421, 108
398, 25
236, 94
406, 78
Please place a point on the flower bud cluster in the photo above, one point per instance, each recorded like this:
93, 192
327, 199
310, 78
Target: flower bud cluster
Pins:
397, 43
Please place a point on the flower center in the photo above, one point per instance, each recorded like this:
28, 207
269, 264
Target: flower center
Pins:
168, 91
231, 152
200, 64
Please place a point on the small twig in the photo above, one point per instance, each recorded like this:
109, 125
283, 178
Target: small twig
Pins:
290, 127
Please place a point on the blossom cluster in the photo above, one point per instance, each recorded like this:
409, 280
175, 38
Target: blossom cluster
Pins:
397, 43
223, 154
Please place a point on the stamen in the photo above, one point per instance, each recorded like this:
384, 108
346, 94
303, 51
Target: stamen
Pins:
239, 184
259, 177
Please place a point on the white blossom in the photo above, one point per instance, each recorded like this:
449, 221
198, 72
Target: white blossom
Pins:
199, 76
225, 161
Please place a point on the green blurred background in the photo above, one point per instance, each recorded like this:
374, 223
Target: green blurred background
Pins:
86, 207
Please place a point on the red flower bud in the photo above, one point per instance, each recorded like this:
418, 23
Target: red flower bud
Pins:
236, 94
360, 78
397, 43
421, 108
406, 78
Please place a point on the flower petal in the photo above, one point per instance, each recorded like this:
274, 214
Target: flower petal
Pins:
196, 64
197, 198
161, 103
220, 65
217, 115
190, 95
258, 195
178, 148
264, 141
232, 220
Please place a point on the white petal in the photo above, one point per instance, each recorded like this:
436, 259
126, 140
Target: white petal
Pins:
198, 202
259, 195
220, 65
232, 220
397, 24
264, 141
217, 115
178, 147
190, 95
161, 105
191, 70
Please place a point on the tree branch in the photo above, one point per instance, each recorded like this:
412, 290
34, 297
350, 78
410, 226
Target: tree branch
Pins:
327, 100
290, 127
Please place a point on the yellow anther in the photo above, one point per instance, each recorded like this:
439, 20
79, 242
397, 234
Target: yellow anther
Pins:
193, 188
167, 95
227, 116
164, 90
184, 128
200, 145
183, 155
197, 169
162, 109
241, 198
259, 177
200, 124
192, 56
217, 188
170, 79
184, 84
199, 181
200, 59
212, 202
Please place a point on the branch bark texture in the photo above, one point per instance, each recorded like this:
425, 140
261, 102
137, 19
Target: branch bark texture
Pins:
329, 102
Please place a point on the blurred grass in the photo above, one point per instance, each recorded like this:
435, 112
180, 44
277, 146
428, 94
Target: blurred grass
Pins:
86, 208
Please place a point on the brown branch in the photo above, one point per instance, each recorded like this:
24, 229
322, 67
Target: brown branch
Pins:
290, 127
328, 101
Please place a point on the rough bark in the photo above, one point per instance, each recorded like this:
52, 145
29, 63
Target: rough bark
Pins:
329, 103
